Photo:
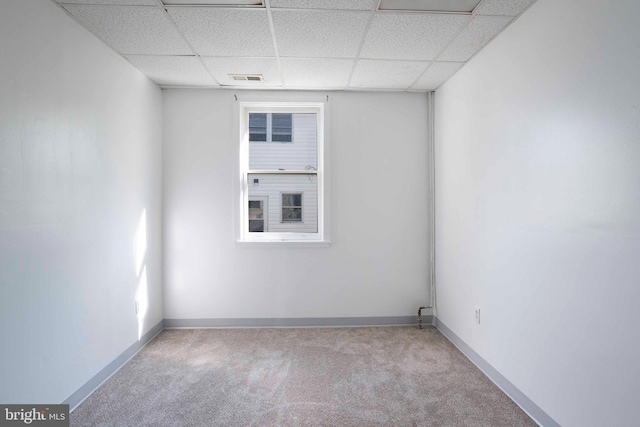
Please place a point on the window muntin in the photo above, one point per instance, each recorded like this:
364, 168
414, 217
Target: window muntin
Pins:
273, 170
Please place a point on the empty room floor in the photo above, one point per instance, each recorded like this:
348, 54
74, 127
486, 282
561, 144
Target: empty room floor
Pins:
373, 376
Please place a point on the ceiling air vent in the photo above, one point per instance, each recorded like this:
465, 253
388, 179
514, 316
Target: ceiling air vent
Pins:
247, 77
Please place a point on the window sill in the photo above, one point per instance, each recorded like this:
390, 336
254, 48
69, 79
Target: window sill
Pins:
283, 243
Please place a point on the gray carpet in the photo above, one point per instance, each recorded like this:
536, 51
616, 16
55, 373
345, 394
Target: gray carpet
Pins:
393, 376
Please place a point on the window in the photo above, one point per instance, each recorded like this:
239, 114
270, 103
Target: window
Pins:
282, 182
257, 217
270, 127
291, 207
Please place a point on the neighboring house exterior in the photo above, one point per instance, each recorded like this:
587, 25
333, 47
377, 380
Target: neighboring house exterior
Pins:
288, 201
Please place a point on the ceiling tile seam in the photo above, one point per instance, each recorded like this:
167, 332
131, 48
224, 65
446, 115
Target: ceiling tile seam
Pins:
478, 7
108, 6
209, 7
435, 58
321, 9
513, 19
421, 12
272, 28
196, 53
496, 16
99, 38
296, 88
306, 58
372, 13
383, 12
160, 55
419, 77
236, 57
372, 89
398, 59
173, 86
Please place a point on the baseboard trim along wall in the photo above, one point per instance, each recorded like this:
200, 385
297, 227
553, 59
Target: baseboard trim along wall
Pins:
504, 384
90, 386
498, 379
296, 322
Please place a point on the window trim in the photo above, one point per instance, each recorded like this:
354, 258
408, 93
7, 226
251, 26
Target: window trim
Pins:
321, 237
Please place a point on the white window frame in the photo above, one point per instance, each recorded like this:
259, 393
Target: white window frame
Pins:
320, 238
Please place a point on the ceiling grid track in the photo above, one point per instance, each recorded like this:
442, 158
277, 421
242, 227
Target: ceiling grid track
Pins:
275, 42
435, 59
372, 13
195, 52
379, 50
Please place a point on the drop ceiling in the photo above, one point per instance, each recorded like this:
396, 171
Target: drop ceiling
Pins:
295, 44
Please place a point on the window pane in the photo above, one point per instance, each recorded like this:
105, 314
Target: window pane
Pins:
258, 120
280, 138
257, 127
282, 125
291, 214
257, 135
255, 210
256, 213
256, 226
291, 199
282, 121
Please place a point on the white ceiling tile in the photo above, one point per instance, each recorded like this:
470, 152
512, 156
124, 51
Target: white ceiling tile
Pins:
222, 67
316, 33
410, 36
503, 7
173, 70
324, 4
474, 36
225, 32
386, 74
131, 30
437, 74
118, 2
316, 73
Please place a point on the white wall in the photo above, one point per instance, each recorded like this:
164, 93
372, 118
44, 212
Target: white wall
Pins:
377, 264
80, 159
538, 208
